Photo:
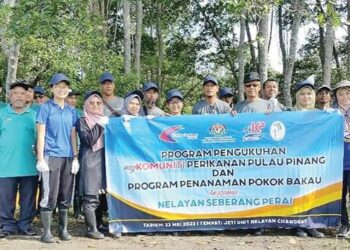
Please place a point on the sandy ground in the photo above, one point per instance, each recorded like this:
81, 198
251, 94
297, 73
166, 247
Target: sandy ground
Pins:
272, 239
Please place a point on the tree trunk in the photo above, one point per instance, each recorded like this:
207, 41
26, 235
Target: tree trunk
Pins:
321, 32
254, 65
280, 35
241, 59
328, 50
348, 47
290, 60
271, 30
263, 43
160, 43
127, 40
138, 36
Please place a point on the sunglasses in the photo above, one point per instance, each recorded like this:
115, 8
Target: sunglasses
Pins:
251, 85
39, 96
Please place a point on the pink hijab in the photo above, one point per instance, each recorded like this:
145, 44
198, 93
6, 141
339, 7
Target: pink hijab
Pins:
92, 118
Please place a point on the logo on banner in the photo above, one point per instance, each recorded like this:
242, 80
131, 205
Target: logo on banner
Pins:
253, 132
170, 134
277, 131
218, 132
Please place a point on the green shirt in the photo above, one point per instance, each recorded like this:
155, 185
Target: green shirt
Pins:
17, 139
34, 106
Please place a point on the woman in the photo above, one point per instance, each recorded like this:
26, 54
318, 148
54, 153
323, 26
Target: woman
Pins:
305, 101
132, 103
342, 102
174, 102
92, 160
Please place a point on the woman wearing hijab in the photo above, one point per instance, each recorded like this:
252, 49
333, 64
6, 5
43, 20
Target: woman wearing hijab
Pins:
92, 172
342, 102
132, 103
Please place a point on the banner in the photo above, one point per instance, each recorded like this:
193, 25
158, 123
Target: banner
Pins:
218, 172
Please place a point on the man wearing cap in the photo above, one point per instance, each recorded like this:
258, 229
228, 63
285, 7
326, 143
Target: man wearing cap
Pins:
57, 156
151, 93
72, 100
39, 95
17, 169
253, 103
174, 102
323, 97
226, 95
30, 99
271, 91
112, 103
211, 104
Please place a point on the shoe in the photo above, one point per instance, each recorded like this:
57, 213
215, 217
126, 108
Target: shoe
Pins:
313, 232
299, 232
90, 221
343, 230
117, 235
63, 224
28, 232
46, 217
103, 229
259, 232
7, 233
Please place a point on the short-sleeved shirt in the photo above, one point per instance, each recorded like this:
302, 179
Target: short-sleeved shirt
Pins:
59, 123
79, 112
35, 107
203, 108
2, 104
258, 106
116, 103
17, 139
154, 111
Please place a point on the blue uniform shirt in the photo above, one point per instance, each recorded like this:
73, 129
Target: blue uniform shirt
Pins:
17, 139
59, 123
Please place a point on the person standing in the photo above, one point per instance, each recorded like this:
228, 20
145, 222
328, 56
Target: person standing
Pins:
112, 103
30, 98
175, 102
39, 95
151, 93
323, 97
57, 156
17, 169
226, 95
132, 103
211, 104
72, 100
271, 91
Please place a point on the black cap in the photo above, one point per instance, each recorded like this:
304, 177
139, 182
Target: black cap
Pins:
302, 84
74, 92
19, 84
135, 92
251, 76
90, 93
150, 85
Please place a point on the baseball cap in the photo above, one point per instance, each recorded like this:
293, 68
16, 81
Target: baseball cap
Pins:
210, 79
225, 91
90, 93
106, 76
341, 84
135, 92
251, 76
174, 93
324, 86
57, 78
150, 85
302, 84
74, 92
19, 84
39, 90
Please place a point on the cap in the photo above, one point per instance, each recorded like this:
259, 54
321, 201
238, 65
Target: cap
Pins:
174, 93
302, 84
225, 91
210, 79
30, 86
57, 78
74, 92
341, 84
106, 76
251, 76
324, 86
135, 92
90, 93
19, 84
150, 85
39, 90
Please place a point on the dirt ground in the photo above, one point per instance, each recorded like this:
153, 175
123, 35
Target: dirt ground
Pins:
272, 239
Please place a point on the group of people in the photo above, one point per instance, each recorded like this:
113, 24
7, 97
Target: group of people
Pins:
52, 141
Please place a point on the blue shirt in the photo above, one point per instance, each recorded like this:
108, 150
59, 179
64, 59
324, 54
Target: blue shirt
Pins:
17, 139
59, 123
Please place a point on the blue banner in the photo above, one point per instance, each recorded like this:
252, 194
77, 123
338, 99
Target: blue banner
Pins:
218, 172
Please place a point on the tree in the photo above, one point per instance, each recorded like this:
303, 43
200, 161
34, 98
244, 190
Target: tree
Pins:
127, 39
241, 59
138, 37
328, 45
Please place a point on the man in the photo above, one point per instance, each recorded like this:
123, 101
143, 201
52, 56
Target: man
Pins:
253, 103
72, 100
211, 104
151, 93
323, 97
271, 91
17, 169
226, 95
39, 95
30, 99
112, 104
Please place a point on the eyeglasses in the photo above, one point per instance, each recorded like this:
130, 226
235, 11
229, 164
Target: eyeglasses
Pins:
39, 96
251, 85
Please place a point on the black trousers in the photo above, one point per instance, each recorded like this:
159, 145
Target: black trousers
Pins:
346, 186
27, 187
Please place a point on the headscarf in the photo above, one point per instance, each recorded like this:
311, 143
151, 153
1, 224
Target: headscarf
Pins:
127, 100
91, 120
298, 106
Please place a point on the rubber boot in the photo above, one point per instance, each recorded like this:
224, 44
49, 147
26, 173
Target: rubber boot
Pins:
63, 223
90, 221
46, 217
